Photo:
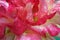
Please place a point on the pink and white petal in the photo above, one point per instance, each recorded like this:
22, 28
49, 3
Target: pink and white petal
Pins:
53, 30
28, 36
42, 30
4, 4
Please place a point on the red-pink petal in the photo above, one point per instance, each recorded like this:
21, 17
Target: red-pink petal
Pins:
2, 31
18, 27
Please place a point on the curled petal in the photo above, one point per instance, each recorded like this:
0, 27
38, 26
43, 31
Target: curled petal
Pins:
42, 30
4, 4
51, 29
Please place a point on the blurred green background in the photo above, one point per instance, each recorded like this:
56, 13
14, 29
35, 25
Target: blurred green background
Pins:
57, 38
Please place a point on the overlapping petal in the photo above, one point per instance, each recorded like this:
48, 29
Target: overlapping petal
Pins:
20, 15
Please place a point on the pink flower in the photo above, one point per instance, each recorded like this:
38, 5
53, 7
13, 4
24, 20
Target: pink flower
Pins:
30, 16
